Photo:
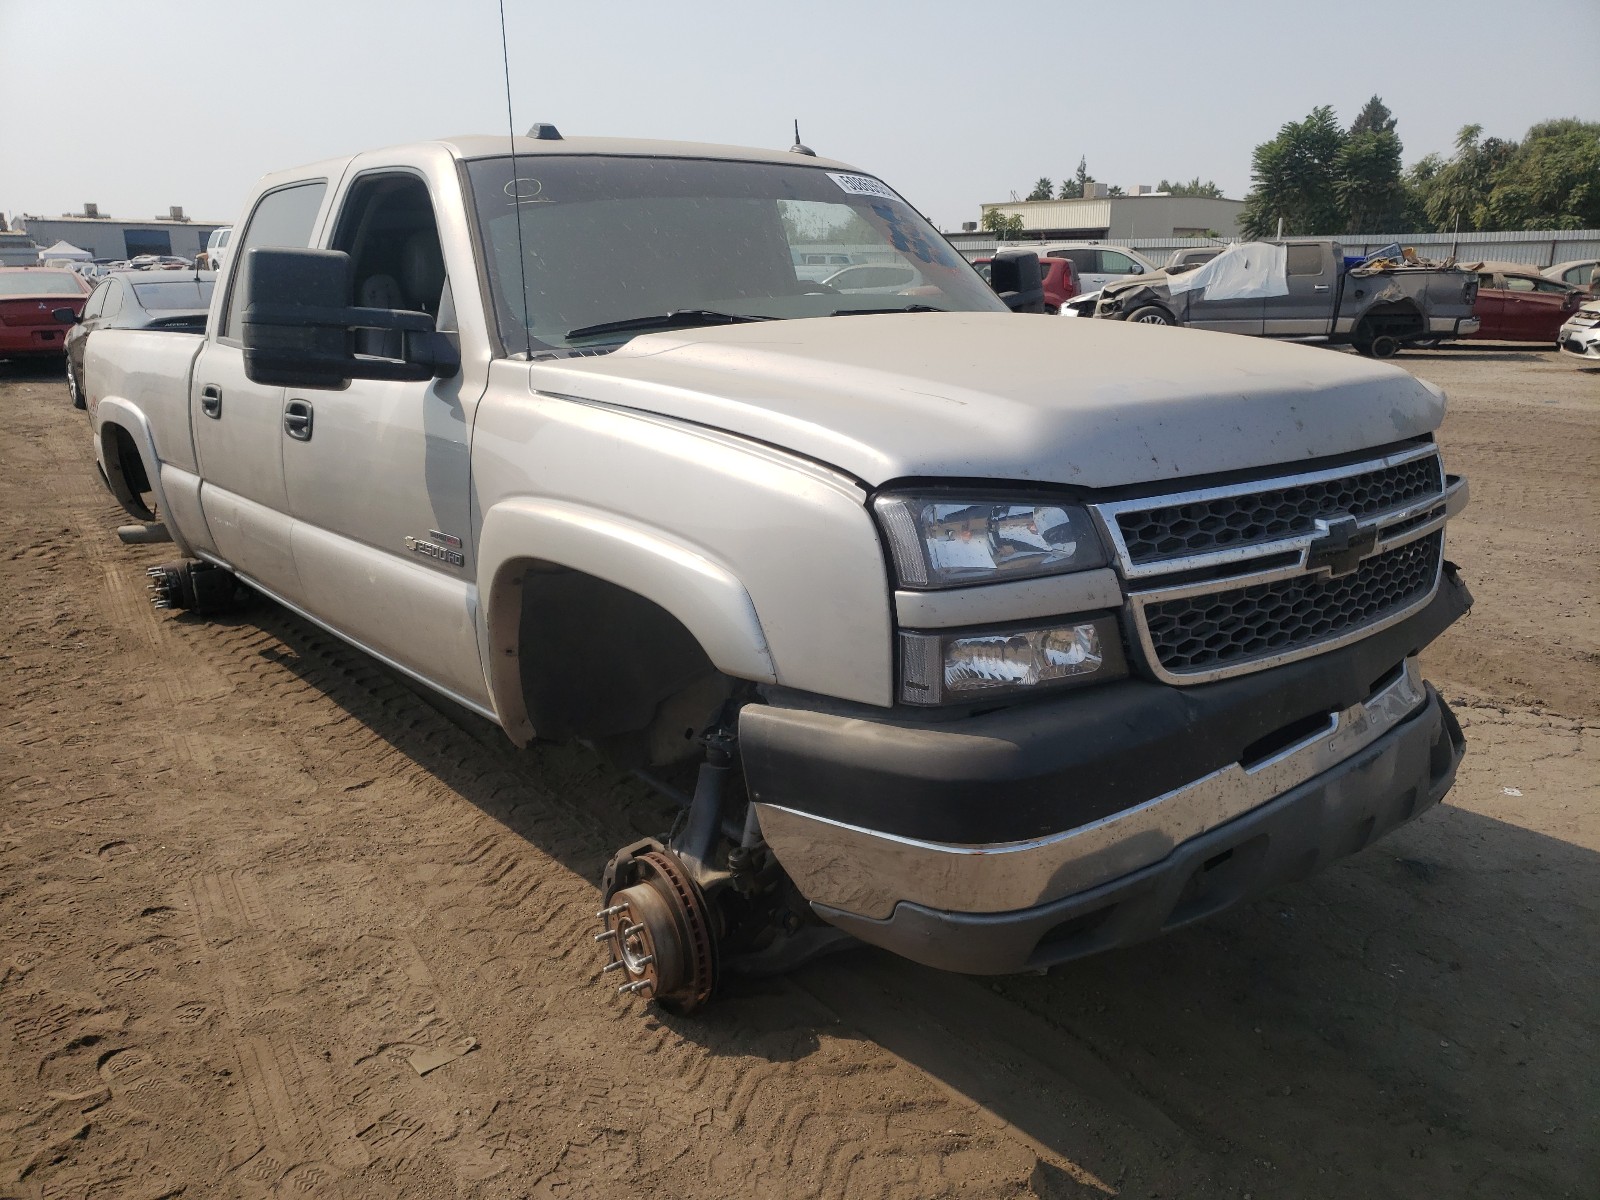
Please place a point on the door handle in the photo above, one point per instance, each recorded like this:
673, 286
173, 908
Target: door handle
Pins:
211, 401
297, 420
1320, 287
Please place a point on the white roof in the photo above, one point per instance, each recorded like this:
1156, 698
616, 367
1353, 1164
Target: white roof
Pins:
64, 250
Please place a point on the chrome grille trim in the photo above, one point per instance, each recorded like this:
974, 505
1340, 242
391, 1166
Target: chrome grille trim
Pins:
1235, 568
1109, 514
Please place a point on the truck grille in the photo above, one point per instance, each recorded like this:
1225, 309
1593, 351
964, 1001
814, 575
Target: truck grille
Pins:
1234, 519
1215, 631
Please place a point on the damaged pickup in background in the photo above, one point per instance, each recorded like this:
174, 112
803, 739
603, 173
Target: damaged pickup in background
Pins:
1306, 290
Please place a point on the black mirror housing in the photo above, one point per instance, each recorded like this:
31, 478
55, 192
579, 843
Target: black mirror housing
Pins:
299, 320
65, 316
1015, 276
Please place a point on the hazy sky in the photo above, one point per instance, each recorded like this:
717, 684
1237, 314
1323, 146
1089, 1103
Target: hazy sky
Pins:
141, 104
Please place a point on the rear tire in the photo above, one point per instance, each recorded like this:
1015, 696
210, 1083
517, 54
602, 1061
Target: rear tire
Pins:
72, 387
1384, 346
1151, 314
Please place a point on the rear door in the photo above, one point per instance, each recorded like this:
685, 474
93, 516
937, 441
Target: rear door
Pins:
1313, 280
1086, 262
238, 425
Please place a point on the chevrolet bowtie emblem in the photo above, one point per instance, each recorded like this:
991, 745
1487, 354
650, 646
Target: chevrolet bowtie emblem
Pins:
1340, 546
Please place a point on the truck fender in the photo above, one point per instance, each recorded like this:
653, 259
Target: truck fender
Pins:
113, 411
703, 595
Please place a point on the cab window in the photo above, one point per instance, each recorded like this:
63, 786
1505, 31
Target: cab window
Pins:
1114, 263
387, 227
1304, 260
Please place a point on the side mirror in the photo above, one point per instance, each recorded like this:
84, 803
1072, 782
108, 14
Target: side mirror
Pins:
299, 321
65, 316
1015, 276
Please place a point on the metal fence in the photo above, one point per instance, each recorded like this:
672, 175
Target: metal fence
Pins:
1536, 248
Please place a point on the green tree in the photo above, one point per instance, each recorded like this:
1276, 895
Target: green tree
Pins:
1115, 190
1072, 189
1002, 225
1374, 117
1194, 187
1552, 181
1294, 176
1368, 179
1415, 183
1457, 196
1043, 189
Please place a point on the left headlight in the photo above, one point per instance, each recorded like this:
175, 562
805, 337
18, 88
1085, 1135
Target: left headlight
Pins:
939, 542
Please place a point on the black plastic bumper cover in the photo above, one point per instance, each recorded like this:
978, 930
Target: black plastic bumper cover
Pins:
1341, 811
1046, 767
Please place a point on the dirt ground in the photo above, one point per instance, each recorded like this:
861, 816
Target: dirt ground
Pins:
252, 886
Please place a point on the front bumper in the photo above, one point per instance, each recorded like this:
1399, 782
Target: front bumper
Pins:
1580, 341
1340, 811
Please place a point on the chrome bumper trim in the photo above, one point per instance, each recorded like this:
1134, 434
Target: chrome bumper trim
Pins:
867, 873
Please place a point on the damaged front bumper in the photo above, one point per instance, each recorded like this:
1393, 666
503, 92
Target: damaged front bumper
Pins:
1019, 839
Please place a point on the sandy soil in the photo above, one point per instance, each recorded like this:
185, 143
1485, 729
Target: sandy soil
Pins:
252, 887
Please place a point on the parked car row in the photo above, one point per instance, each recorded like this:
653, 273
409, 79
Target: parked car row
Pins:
1512, 302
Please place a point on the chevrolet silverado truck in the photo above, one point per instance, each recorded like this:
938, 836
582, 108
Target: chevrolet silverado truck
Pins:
1303, 289
951, 630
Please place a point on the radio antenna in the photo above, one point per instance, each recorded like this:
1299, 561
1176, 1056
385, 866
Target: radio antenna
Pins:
516, 187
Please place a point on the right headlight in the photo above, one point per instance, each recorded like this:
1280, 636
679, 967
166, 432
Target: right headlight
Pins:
951, 541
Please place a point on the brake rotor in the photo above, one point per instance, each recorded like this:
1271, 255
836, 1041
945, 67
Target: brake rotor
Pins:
658, 933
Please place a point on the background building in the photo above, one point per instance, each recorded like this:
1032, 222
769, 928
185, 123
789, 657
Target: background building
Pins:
1118, 218
116, 238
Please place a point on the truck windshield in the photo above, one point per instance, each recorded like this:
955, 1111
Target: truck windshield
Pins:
618, 239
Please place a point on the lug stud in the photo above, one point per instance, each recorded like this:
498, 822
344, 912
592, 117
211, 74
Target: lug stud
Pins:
610, 912
633, 930
615, 966
606, 936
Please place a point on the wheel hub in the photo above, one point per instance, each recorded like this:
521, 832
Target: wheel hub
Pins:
656, 928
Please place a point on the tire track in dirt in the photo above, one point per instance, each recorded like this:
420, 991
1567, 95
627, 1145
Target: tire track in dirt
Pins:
500, 895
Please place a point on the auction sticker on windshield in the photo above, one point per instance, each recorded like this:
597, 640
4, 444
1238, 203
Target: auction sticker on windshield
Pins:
863, 185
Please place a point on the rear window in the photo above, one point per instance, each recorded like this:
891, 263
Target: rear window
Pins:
39, 283
178, 293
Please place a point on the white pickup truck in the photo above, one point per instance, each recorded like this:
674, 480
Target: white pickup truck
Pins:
998, 640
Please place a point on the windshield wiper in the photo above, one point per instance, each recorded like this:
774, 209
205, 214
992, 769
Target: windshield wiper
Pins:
678, 316
871, 312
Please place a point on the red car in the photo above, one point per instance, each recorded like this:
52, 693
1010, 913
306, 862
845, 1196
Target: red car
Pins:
1517, 304
29, 297
1059, 276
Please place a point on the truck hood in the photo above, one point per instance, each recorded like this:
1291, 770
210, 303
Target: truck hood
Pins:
999, 396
